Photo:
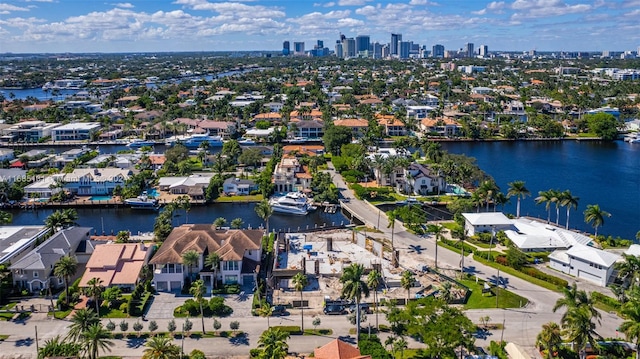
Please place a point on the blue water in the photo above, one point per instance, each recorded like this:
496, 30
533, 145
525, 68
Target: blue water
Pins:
21, 94
99, 198
604, 173
153, 193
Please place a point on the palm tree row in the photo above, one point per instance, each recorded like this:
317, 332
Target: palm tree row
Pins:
86, 335
559, 199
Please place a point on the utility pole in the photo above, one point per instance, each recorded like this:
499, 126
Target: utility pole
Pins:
497, 287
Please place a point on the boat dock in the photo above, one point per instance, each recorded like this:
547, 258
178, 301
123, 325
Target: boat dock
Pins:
327, 207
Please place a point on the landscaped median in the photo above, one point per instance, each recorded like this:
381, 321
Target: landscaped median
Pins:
542, 279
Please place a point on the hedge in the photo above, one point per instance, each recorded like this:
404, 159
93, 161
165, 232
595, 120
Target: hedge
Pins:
291, 329
611, 302
536, 273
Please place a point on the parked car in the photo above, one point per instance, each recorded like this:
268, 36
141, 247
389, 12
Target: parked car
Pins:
334, 310
364, 308
279, 311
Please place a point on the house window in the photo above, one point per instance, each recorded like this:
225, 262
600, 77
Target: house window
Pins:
231, 265
230, 279
35, 274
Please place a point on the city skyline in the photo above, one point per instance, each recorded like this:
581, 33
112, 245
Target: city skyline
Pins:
36, 26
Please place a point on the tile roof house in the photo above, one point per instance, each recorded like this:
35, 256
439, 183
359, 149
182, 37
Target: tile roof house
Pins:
392, 125
34, 271
290, 176
240, 252
116, 264
358, 125
337, 349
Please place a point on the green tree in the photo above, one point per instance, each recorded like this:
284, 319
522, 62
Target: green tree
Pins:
603, 125
123, 236
549, 339
273, 343
264, 211
161, 348
438, 231
94, 289
198, 290
300, 281
57, 347
265, 310
354, 288
570, 201
96, 340
572, 298
237, 223
336, 136
392, 216
213, 261
5, 217
81, 320
594, 215
518, 189
219, 222
579, 327
374, 279
66, 268
629, 269
190, 258
406, 282
631, 326
545, 197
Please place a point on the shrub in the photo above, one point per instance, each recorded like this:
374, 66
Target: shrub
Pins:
370, 345
218, 308
599, 297
111, 326
216, 325
255, 353
235, 325
291, 329
124, 326
197, 354
534, 272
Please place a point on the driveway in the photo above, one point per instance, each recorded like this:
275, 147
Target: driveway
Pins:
163, 305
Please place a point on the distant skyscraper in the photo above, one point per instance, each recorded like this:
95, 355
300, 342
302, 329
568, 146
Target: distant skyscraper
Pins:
349, 47
286, 48
338, 50
362, 44
437, 51
393, 46
320, 44
469, 49
386, 52
484, 50
404, 49
377, 50
298, 48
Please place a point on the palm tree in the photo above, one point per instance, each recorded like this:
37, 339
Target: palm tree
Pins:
630, 268
219, 222
556, 198
94, 289
66, 268
445, 292
57, 347
265, 310
392, 216
406, 282
437, 230
487, 191
198, 290
461, 234
264, 211
374, 279
273, 343
550, 338
299, 282
545, 197
5, 217
518, 189
499, 199
354, 288
161, 348
96, 339
81, 320
579, 328
574, 298
213, 261
568, 200
237, 223
399, 346
594, 215
631, 326
190, 258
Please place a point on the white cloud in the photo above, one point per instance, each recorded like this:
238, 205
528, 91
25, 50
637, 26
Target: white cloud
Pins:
352, 2
545, 8
124, 5
9, 8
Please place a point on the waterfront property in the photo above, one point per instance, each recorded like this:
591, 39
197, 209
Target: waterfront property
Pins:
28, 131
116, 264
419, 179
15, 241
195, 185
34, 271
475, 223
95, 181
239, 251
76, 131
291, 176
239, 187
592, 264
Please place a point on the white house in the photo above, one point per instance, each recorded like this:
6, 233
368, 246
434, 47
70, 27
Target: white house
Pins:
44, 188
15, 241
193, 185
95, 181
75, 131
589, 263
238, 186
534, 236
420, 180
239, 251
486, 222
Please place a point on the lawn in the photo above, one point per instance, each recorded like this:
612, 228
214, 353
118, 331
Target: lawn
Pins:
478, 300
318, 331
227, 199
61, 314
518, 274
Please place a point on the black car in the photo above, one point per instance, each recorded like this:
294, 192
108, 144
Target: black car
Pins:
279, 311
364, 308
334, 310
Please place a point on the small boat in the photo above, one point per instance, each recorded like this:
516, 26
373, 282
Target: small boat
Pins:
140, 143
298, 140
635, 138
292, 203
246, 142
194, 141
142, 201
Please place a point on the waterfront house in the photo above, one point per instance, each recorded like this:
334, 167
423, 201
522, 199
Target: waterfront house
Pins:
76, 131
194, 185
290, 176
6, 154
238, 187
34, 271
95, 181
475, 223
392, 125
15, 241
358, 125
10, 175
442, 126
239, 250
116, 264
589, 263
44, 188
28, 131
421, 180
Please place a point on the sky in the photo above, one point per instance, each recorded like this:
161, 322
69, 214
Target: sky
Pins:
55, 26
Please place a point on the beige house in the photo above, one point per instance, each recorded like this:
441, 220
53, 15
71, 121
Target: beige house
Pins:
116, 264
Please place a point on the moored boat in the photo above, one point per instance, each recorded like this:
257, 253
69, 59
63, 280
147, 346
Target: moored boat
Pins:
296, 203
142, 201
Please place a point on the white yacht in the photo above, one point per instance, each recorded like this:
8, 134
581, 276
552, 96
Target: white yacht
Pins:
634, 138
142, 201
292, 203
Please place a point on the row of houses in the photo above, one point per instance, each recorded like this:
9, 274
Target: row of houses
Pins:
35, 130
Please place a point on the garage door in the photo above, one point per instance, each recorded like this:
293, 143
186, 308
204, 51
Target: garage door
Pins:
589, 276
176, 286
162, 286
247, 280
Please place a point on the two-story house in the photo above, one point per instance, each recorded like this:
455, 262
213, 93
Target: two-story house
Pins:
238, 186
240, 252
392, 126
422, 180
358, 125
290, 176
312, 129
116, 264
34, 271
95, 181
592, 264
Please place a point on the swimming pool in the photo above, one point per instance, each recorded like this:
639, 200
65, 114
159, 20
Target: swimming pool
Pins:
153, 193
100, 198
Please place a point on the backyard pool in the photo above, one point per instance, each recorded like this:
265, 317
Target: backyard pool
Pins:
100, 198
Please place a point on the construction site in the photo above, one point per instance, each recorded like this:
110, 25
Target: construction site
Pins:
322, 257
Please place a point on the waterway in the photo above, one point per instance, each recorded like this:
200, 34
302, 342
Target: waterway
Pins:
603, 173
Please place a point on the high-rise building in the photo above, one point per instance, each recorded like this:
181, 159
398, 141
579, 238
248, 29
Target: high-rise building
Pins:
469, 51
437, 51
286, 48
362, 45
338, 50
393, 46
320, 44
298, 48
377, 50
404, 49
386, 51
484, 50
349, 47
